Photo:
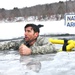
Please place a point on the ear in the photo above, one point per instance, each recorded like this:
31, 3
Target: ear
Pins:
36, 34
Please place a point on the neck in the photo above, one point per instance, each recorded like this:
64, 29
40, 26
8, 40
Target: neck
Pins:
31, 43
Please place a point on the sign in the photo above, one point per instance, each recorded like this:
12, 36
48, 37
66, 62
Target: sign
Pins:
70, 20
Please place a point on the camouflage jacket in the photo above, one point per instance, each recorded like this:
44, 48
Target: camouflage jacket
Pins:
41, 46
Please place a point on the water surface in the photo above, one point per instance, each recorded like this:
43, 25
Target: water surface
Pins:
61, 63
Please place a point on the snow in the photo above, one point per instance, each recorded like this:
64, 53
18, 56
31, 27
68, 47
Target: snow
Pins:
63, 63
16, 29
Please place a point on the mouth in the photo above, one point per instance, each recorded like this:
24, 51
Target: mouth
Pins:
26, 38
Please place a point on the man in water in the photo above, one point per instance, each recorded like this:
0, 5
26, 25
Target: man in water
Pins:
32, 43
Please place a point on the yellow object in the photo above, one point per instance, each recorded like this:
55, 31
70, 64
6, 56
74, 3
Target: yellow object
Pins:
56, 41
71, 43
70, 46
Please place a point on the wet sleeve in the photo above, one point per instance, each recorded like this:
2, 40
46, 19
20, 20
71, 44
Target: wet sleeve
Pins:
44, 47
9, 45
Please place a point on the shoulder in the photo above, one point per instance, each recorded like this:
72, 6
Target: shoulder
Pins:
42, 39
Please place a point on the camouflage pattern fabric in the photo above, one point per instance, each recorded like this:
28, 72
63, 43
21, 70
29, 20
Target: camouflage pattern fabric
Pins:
41, 46
9, 45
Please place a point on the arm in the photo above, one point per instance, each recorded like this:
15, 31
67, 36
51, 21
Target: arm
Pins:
43, 47
9, 45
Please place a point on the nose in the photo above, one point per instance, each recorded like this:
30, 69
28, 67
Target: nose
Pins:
25, 33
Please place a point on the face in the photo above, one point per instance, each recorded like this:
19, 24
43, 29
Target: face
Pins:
30, 34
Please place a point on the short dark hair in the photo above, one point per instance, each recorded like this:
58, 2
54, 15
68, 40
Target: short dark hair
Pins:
35, 27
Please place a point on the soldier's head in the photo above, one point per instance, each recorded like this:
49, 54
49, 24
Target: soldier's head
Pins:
32, 31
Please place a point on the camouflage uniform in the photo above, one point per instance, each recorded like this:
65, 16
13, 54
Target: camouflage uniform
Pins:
41, 46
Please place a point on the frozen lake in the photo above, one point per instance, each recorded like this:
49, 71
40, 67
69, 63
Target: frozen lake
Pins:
11, 63
61, 63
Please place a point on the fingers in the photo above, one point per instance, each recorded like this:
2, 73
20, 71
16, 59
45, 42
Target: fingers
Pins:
22, 45
22, 49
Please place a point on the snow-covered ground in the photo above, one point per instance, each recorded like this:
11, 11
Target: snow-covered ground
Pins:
11, 63
13, 30
62, 63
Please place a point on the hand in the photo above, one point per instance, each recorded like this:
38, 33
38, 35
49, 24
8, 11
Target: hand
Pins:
24, 50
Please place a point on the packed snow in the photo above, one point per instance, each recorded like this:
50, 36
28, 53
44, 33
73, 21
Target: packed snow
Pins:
16, 29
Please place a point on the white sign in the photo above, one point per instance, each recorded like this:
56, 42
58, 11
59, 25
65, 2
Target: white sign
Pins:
70, 20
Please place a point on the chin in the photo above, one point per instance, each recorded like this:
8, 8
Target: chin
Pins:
26, 40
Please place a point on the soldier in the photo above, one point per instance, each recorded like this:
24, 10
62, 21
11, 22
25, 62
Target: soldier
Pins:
32, 43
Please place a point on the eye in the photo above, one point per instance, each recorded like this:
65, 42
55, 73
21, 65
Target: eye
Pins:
28, 31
